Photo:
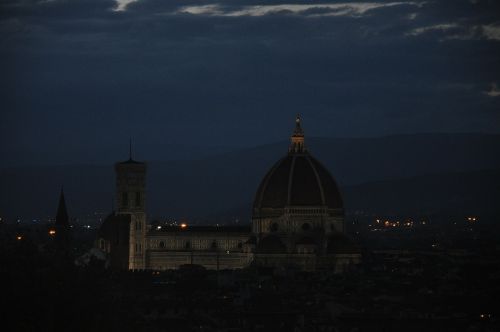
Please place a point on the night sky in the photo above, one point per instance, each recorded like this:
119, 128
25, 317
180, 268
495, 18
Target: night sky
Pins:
82, 76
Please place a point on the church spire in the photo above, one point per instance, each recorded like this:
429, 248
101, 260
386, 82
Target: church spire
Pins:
62, 218
297, 138
61, 229
130, 159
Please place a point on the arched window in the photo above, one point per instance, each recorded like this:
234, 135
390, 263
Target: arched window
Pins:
161, 244
188, 245
214, 244
273, 227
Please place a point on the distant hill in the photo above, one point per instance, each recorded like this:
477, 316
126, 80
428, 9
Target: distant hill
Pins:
444, 194
373, 172
458, 193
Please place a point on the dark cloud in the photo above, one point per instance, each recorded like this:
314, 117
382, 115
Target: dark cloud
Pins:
79, 73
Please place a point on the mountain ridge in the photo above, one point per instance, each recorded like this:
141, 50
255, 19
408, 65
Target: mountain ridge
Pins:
196, 188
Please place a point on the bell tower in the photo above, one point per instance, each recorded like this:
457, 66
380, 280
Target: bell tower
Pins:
130, 200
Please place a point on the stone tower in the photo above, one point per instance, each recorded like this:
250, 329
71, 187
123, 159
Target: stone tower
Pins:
130, 200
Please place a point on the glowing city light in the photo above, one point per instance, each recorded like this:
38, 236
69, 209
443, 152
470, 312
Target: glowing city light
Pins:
471, 219
183, 225
52, 232
19, 237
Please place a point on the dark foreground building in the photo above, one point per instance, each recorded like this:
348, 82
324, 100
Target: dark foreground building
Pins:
297, 221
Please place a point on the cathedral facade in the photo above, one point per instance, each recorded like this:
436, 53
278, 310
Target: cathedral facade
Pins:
297, 221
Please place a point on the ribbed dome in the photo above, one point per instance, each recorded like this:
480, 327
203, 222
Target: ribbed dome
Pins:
298, 180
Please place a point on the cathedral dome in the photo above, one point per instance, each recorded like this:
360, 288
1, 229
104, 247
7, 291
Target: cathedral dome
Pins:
297, 180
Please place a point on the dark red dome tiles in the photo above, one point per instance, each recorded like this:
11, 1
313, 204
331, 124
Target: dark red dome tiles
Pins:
298, 180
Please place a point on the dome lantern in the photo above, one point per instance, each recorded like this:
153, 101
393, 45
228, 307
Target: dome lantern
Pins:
297, 138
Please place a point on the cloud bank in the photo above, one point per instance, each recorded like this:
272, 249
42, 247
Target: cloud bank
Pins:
208, 72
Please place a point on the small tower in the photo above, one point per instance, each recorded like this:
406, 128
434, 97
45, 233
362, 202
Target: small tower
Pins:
130, 200
297, 138
61, 229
